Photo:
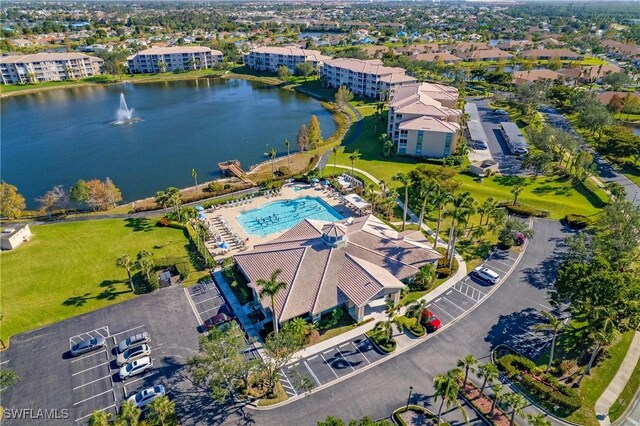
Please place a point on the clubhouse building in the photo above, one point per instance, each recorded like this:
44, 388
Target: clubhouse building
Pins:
42, 67
175, 58
271, 58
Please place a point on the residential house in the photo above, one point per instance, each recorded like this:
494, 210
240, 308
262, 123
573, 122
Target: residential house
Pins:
445, 57
485, 55
549, 54
523, 77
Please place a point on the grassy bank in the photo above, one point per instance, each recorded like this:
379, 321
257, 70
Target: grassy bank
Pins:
69, 268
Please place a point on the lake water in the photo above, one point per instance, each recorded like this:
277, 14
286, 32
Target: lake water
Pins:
57, 137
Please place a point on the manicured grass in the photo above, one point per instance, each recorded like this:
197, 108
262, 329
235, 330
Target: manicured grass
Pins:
632, 172
627, 117
69, 268
626, 396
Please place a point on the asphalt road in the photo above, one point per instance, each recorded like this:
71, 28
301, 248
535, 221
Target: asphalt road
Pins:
502, 318
606, 172
634, 416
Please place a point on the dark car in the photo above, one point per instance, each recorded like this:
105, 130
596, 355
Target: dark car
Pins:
216, 320
430, 321
88, 345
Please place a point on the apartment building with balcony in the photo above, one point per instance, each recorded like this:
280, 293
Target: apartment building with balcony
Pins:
270, 58
174, 58
423, 120
41, 67
368, 78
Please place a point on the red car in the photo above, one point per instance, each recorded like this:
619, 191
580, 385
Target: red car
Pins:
216, 320
430, 321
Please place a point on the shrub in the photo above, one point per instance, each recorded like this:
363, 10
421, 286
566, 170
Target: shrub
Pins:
184, 269
568, 366
163, 222
412, 325
284, 171
443, 272
214, 187
577, 221
524, 210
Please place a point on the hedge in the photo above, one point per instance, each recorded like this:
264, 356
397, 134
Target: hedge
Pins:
412, 325
385, 346
525, 210
577, 221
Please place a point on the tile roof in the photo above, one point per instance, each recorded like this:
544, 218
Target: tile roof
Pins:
369, 66
176, 50
42, 57
430, 124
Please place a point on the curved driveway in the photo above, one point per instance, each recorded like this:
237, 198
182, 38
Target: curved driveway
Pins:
506, 317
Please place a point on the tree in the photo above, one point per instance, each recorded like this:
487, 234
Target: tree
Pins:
554, 325
146, 264
425, 276
287, 144
304, 69
423, 189
8, 378
405, 180
99, 418
516, 402
128, 264
440, 199
129, 414
170, 198
603, 331
314, 133
616, 104
284, 72
271, 288
555, 64
11, 202
462, 208
80, 192
194, 175
469, 363
342, 97
353, 157
272, 155
538, 161
497, 396
162, 412
516, 191
335, 150
618, 234
102, 195
303, 138
54, 199
511, 232
617, 80
527, 97
538, 420
447, 387
280, 349
488, 373
630, 104
594, 116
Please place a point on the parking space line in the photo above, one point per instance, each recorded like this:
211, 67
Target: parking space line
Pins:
312, 357
4, 362
504, 263
145, 376
466, 295
448, 293
126, 331
331, 368
206, 300
101, 409
343, 357
284, 375
455, 304
89, 356
443, 311
212, 309
91, 368
358, 349
91, 397
193, 307
311, 372
91, 382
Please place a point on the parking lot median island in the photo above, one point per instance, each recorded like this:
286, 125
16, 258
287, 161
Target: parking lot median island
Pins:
483, 404
415, 415
380, 338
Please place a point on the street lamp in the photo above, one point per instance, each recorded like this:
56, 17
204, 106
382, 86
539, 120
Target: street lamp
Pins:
409, 399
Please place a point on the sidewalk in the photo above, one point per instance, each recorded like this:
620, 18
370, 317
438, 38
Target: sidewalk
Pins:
612, 392
247, 324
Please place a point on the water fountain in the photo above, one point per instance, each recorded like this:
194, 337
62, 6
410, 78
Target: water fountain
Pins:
124, 115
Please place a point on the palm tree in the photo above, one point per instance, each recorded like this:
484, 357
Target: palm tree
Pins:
489, 373
425, 275
288, 145
497, 396
478, 233
127, 263
388, 147
469, 363
405, 180
194, 175
353, 157
335, 150
272, 155
162, 411
392, 311
488, 208
129, 414
271, 288
416, 308
100, 418
462, 207
424, 189
538, 420
516, 403
516, 191
447, 387
440, 198
603, 332
383, 185
555, 326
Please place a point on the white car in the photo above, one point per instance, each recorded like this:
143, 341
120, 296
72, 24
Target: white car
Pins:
139, 366
486, 274
132, 354
147, 396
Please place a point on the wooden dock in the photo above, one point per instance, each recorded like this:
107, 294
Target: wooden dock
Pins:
233, 168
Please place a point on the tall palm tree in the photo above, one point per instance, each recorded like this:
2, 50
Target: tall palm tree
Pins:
162, 411
125, 261
383, 185
554, 325
392, 311
603, 331
288, 145
440, 198
271, 288
423, 188
538, 420
447, 387
416, 308
488, 373
462, 207
194, 175
516, 402
335, 150
353, 157
488, 208
497, 396
468, 363
272, 156
100, 418
405, 180
516, 191
129, 414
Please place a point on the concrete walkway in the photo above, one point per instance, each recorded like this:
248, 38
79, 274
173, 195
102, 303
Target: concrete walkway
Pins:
612, 392
362, 172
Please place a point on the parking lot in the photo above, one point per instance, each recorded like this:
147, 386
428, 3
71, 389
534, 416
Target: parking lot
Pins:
53, 380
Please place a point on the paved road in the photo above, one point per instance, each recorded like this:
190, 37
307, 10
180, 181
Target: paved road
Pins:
379, 390
606, 172
634, 416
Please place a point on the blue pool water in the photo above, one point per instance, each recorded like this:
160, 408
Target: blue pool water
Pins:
282, 215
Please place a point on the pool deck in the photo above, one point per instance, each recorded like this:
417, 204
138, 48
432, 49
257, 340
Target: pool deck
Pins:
230, 214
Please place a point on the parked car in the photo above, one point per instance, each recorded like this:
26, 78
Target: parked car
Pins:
430, 321
132, 354
136, 367
216, 320
135, 340
501, 111
480, 145
88, 345
147, 396
486, 274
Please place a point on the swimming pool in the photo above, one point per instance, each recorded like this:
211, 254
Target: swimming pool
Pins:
279, 216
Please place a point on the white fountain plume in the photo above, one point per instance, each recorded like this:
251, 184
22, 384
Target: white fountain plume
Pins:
123, 114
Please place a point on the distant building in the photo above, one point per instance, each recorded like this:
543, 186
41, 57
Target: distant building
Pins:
445, 57
175, 58
485, 55
522, 77
12, 237
270, 58
41, 67
368, 78
548, 54
423, 121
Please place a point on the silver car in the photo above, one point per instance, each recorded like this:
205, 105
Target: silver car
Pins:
132, 354
88, 345
139, 366
135, 340
486, 274
147, 396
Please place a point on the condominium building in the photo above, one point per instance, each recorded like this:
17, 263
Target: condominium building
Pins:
41, 67
175, 58
368, 78
269, 58
423, 121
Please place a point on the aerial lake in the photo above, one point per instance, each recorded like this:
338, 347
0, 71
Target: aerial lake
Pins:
60, 136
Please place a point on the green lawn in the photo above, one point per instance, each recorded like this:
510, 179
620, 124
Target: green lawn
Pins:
69, 268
